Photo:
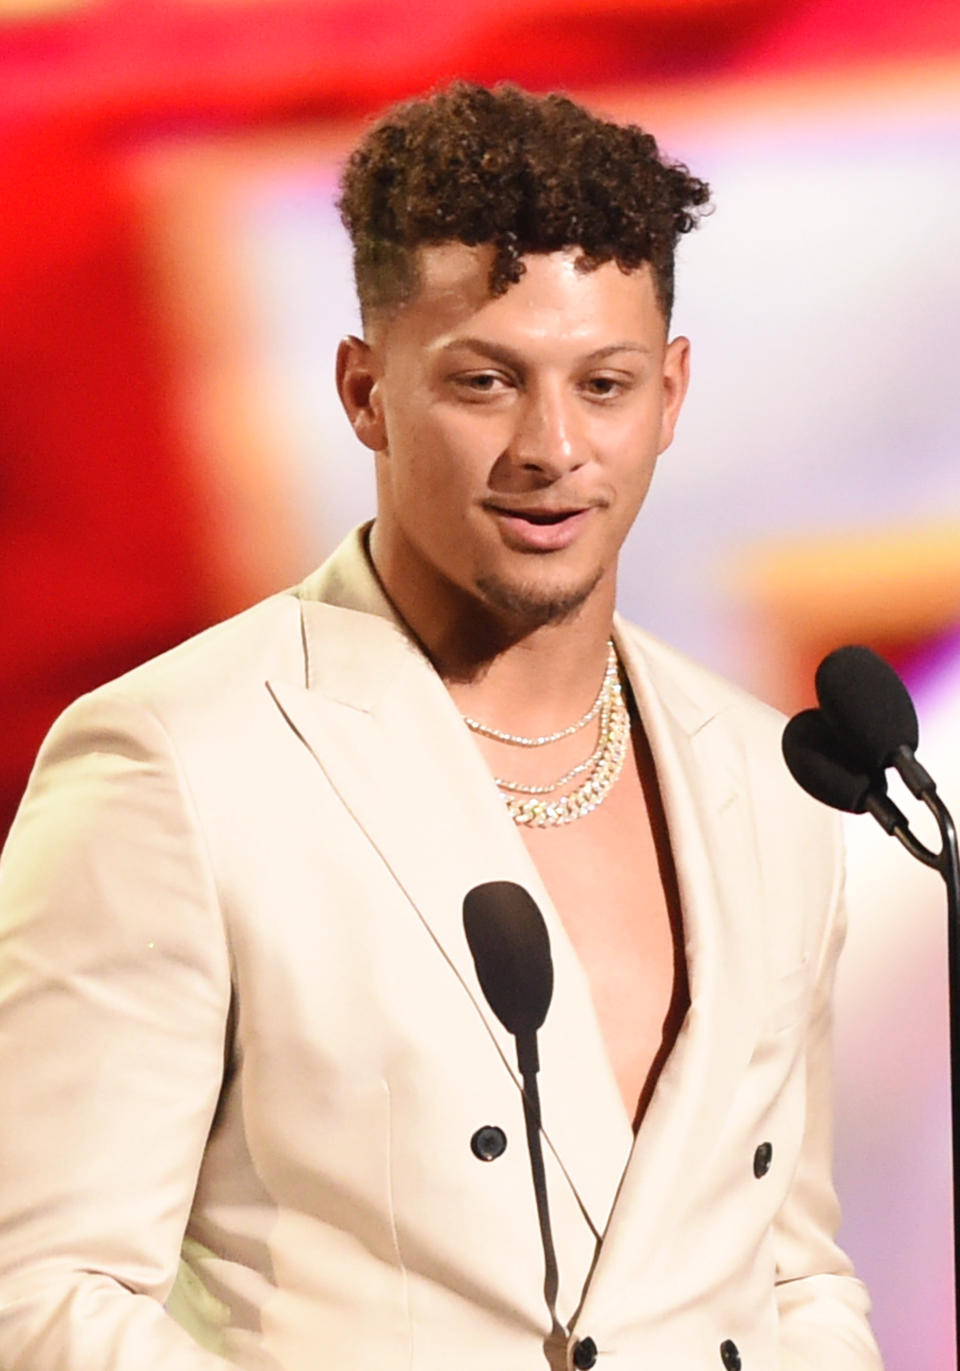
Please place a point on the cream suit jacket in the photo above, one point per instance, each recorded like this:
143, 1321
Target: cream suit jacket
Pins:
243, 1049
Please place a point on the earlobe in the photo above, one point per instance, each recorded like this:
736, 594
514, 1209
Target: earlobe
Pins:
358, 388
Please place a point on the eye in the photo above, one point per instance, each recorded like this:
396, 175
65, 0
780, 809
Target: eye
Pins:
605, 387
480, 384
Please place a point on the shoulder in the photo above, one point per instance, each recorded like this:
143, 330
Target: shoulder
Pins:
734, 765
210, 687
223, 659
215, 669
744, 732
698, 693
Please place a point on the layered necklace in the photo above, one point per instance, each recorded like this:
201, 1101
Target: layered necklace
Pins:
538, 806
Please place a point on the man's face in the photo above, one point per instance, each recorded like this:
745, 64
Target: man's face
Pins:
515, 436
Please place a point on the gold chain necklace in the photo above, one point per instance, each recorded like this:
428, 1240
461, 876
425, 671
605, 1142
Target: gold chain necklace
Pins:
604, 764
518, 740
539, 812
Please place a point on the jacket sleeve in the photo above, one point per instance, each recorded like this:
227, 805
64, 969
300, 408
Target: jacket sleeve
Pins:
114, 996
823, 1307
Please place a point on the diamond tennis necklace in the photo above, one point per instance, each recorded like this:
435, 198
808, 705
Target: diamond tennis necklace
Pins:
529, 805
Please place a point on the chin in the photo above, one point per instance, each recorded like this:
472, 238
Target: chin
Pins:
534, 604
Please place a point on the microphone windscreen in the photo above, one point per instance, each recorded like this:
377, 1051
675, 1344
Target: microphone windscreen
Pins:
511, 951
820, 764
867, 704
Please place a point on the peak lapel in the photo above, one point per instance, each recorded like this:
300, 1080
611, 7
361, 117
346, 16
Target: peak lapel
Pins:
381, 724
703, 786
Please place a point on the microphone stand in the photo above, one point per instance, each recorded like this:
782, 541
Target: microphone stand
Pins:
528, 1062
511, 951
946, 861
850, 740
949, 868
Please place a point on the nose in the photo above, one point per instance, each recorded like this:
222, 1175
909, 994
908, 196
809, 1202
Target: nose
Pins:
547, 436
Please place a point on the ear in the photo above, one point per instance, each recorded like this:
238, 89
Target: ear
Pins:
358, 378
676, 376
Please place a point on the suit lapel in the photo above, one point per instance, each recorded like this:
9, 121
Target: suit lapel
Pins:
702, 783
386, 733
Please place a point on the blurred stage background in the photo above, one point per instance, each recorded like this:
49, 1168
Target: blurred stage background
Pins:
173, 281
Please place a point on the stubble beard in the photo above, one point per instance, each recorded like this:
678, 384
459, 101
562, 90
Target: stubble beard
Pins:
531, 606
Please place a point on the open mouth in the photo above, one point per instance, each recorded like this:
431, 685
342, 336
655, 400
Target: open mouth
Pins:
540, 516
540, 530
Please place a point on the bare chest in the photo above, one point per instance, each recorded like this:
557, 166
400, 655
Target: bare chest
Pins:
611, 879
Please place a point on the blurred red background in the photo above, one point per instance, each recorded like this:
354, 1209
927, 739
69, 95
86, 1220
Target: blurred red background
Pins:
105, 558
167, 242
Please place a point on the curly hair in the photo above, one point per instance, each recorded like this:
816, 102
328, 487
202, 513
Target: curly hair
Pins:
525, 173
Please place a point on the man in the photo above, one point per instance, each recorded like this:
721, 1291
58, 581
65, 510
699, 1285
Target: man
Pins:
240, 1022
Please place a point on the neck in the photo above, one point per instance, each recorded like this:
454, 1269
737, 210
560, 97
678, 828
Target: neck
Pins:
519, 677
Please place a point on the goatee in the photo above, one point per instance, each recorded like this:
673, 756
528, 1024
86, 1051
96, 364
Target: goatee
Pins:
532, 606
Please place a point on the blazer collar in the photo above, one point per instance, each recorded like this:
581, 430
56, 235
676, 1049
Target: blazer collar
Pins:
356, 672
705, 791
383, 727
386, 732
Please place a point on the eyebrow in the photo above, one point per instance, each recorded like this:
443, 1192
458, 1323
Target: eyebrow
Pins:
510, 358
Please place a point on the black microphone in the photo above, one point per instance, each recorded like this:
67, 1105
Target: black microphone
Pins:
511, 952
839, 753
832, 774
869, 706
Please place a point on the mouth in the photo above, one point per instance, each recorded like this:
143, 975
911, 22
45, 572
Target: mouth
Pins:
537, 514
540, 516
540, 530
